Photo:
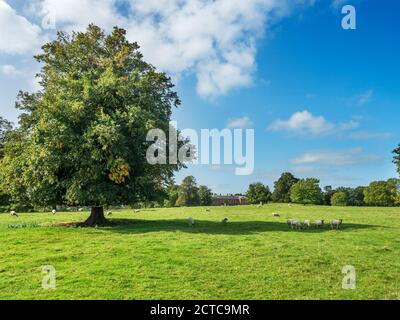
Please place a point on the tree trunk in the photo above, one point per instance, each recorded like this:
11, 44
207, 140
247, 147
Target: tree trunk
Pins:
96, 218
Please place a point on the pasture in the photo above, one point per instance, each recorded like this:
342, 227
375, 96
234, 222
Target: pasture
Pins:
156, 255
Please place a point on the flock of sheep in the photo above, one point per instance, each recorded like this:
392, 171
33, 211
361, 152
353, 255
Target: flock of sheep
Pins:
292, 223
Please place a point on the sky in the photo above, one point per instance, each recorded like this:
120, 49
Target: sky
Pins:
324, 102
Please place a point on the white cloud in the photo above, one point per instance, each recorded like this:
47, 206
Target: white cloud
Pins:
213, 39
365, 97
335, 157
9, 70
17, 34
303, 123
240, 123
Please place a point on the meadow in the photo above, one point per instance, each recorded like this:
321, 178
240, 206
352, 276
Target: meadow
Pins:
156, 255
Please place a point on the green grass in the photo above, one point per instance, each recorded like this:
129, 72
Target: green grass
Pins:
255, 256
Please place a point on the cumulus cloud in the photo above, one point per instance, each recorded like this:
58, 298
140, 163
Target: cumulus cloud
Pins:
240, 123
303, 122
352, 156
17, 34
213, 39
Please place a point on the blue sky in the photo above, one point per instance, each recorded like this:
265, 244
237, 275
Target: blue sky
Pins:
324, 102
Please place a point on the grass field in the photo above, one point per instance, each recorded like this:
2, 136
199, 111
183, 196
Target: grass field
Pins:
254, 256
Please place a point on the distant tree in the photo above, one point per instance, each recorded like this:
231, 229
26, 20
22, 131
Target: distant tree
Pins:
188, 195
307, 191
356, 197
257, 193
396, 159
282, 187
5, 128
340, 199
328, 194
83, 136
382, 193
172, 196
205, 195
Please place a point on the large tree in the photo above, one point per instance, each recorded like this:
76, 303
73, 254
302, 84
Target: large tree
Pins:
257, 193
307, 191
5, 131
188, 193
282, 187
82, 138
205, 195
383, 193
396, 159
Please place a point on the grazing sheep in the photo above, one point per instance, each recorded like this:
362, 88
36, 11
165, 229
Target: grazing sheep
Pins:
307, 224
319, 224
224, 221
276, 214
191, 222
289, 205
297, 225
290, 223
109, 213
54, 211
80, 210
136, 211
335, 224
13, 214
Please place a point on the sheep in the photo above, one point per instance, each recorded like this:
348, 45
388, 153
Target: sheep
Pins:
80, 210
224, 221
136, 211
335, 224
13, 214
290, 223
274, 214
191, 222
53, 211
109, 213
319, 223
289, 205
307, 224
208, 210
296, 225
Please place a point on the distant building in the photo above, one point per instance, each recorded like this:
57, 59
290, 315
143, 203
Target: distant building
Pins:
219, 200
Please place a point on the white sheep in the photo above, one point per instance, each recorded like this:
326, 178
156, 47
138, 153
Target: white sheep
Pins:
307, 224
109, 213
191, 222
290, 223
335, 224
80, 210
136, 211
13, 214
53, 211
224, 221
274, 214
297, 225
319, 224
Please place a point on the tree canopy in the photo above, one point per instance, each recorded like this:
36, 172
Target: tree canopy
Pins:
257, 193
396, 159
383, 193
307, 191
82, 138
282, 187
188, 194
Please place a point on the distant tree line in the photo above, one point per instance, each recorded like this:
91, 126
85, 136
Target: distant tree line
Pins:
289, 189
188, 194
